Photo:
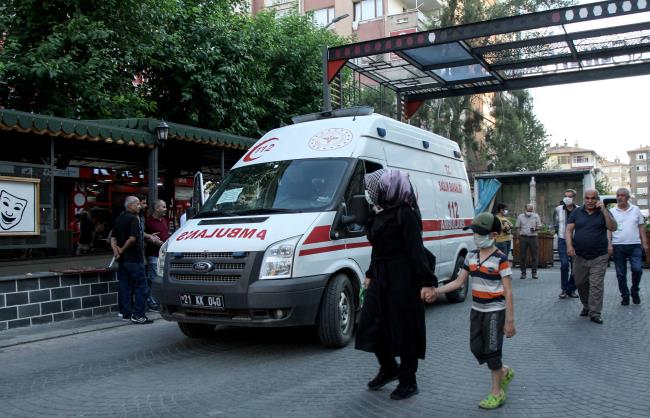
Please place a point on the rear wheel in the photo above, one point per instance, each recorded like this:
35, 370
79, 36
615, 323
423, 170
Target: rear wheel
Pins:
459, 295
336, 313
196, 330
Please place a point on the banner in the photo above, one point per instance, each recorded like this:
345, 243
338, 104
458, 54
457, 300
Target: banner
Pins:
19, 206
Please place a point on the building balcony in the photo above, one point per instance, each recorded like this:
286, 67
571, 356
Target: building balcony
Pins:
589, 164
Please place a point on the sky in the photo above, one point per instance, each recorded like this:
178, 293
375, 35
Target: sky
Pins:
610, 116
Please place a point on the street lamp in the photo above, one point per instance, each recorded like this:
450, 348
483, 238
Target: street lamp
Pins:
336, 19
327, 101
162, 131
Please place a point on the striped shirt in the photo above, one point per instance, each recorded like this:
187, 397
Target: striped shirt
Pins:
487, 283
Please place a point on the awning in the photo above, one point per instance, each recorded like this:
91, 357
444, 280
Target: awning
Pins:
596, 41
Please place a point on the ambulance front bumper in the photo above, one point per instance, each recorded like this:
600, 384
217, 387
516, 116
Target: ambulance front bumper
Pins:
263, 303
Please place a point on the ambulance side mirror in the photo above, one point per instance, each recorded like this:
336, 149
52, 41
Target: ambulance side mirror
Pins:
356, 213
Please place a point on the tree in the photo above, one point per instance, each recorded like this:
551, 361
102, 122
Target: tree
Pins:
602, 185
517, 141
75, 58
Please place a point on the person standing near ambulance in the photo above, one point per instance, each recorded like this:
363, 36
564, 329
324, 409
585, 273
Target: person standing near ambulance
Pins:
398, 280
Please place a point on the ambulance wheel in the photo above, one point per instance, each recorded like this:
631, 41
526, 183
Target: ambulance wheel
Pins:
196, 330
336, 313
459, 295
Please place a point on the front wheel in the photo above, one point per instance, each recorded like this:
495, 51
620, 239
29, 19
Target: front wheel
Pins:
336, 313
458, 295
196, 330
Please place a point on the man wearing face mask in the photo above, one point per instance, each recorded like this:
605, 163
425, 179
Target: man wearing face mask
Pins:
527, 225
560, 217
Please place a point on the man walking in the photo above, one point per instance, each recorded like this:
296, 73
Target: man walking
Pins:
586, 241
158, 227
527, 225
127, 243
560, 216
627, 243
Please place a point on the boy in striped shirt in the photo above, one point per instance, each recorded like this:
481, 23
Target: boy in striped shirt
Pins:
492, 313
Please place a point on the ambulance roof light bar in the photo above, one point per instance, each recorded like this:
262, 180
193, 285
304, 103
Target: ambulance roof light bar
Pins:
336, 113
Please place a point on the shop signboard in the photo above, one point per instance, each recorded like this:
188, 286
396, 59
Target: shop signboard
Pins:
19, 206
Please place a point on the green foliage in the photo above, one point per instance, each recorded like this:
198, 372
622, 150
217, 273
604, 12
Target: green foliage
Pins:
517, 141
603, 186
201, 62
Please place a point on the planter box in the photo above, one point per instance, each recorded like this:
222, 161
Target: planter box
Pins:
544, 251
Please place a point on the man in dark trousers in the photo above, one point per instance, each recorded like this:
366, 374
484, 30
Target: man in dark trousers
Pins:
588, 246
127, 243
157, 226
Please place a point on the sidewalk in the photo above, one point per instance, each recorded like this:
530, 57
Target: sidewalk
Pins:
48, 264
18, 336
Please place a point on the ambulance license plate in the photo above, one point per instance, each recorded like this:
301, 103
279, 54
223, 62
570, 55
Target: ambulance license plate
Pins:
202, 301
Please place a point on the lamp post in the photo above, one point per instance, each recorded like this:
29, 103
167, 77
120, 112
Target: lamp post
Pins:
162, 132
327, 100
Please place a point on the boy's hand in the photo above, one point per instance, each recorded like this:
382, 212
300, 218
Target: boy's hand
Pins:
510, 329
428, 294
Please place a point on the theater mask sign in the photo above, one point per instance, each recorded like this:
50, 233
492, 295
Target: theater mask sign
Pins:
19, 206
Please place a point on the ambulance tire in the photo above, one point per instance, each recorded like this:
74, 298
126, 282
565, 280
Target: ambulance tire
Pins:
459, 295
336, 314
193, 330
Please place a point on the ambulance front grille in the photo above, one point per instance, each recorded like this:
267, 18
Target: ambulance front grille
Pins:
209, 255
213, 278
218, 266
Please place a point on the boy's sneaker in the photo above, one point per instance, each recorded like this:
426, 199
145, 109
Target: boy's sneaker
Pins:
493, 402
141, 319
510, 374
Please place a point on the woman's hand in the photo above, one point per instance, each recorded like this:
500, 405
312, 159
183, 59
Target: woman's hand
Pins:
366, 282
428, 294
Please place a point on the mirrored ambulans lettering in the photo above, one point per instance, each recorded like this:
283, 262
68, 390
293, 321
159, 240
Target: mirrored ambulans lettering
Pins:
247, 233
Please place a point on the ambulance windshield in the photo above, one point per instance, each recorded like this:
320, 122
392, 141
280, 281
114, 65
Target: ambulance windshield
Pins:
276, 187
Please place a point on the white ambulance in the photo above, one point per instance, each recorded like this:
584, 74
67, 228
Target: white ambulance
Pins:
281, 241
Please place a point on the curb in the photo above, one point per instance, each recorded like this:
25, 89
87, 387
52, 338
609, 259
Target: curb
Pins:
50, 334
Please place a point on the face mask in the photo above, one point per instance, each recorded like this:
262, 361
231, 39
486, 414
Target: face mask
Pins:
368, 199
529, 214
483, 241
567, 201
505, 212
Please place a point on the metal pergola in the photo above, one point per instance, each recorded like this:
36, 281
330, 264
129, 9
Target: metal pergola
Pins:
596, 41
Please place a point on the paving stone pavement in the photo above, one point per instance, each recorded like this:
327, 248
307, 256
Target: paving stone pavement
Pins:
566, 366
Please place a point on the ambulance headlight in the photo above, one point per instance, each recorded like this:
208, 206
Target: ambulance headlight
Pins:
278, 259
162, 254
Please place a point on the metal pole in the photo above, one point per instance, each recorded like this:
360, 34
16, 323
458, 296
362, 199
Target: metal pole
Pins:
153, 175
399, 107
327, 100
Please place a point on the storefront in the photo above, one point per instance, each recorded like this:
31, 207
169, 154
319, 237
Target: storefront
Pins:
70, 166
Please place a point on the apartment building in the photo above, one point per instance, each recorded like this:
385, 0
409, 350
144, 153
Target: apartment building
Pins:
639, 183
564, 157
367, 19
617, 174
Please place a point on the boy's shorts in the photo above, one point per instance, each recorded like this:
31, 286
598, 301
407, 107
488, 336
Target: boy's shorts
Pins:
486, 337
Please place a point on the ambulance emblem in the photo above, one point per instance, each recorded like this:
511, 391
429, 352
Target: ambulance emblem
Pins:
330, 139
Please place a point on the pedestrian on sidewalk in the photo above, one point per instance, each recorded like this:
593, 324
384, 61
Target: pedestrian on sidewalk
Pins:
398, 279
560, 217
157, 227
127, 243
504, 238
586, 241
527, 225
492, 313
627, 243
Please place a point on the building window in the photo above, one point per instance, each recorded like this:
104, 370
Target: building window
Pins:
323, 16
642, 167
368, 9
580, 159
640, 156
642, 202
642, 190
274, 2
563, 159
642, 179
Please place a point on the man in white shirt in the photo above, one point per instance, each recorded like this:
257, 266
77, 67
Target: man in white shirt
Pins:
527, 225
628, 242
